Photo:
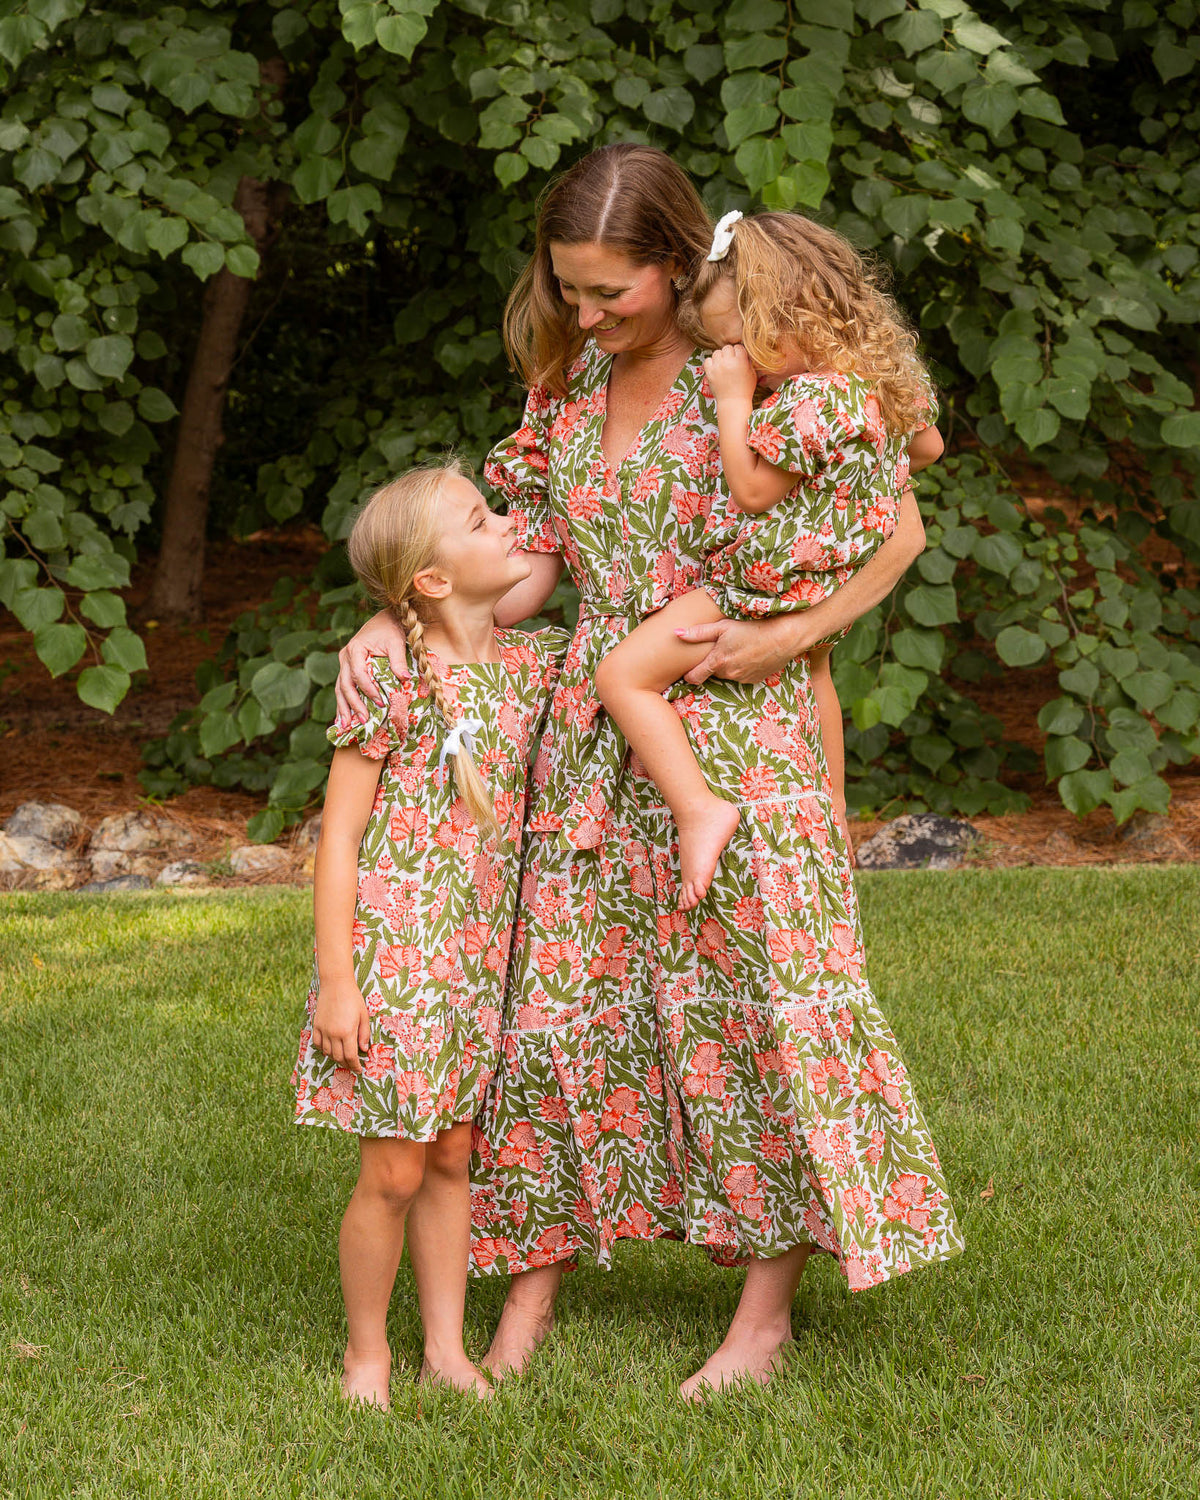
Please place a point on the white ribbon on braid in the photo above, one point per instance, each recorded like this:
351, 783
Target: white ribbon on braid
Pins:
723, 235
461, 737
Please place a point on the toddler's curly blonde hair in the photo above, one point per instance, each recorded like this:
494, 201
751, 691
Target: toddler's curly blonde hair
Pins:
802, 284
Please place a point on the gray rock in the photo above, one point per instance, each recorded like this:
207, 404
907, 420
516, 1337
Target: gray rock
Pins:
50, 822
183, 872
121, 883
134, 843
306, 836
918, 841
1143, 827
137, 832
108, 864
260, 859
29, 864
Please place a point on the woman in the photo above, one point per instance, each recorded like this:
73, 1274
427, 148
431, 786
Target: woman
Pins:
724, 1077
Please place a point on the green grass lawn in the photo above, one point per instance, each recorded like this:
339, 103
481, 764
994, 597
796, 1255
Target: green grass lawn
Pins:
168, 1279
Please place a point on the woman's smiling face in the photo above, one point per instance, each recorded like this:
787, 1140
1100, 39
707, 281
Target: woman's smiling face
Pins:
622, 305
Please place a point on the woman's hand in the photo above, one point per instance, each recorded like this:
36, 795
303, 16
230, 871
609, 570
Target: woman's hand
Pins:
730, 373
380, 636
744, 650
341, 1025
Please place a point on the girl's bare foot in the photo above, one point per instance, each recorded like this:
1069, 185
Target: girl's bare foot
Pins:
365, 1378
702, 837
519, 1333
458, 1373
734, 1363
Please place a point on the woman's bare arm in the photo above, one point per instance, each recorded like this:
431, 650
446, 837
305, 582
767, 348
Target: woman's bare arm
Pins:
526, 598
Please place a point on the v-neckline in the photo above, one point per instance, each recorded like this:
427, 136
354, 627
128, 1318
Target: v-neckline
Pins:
635, 445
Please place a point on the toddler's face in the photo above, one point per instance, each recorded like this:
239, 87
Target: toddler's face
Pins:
722, 323
476, 554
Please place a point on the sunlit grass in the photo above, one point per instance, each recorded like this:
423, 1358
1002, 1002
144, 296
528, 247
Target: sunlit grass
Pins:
172, 1318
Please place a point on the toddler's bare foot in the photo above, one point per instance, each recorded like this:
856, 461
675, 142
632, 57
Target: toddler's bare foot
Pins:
734, 1363
458, 1373
702, 837
518, 1335
365, 1378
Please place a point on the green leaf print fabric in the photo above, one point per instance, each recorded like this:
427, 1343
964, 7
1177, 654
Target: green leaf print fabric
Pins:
829, 431
433, 919
722, 1076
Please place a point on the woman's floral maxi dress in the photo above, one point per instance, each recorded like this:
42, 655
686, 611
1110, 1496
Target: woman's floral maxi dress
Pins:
433, 921
722, 1076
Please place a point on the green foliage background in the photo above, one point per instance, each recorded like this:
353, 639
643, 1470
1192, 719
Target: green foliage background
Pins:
1031, 170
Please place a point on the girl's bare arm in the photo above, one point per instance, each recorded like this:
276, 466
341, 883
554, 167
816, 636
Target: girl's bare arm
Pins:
341, 1025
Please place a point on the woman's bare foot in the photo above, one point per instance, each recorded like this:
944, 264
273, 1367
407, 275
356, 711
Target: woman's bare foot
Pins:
365, 1378
702, 836
734, 1363
458, 1373
519, 1334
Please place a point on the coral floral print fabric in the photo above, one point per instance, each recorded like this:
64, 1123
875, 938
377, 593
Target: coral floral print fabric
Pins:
435, 903
722, 1076
828, 430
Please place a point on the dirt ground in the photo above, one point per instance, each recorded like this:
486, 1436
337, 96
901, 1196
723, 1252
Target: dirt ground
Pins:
54, 748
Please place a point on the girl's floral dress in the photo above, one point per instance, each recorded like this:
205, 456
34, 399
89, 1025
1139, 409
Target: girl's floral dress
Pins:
433, 921
723, 1076
829, 430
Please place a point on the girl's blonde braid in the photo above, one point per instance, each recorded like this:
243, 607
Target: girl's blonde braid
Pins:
470, 782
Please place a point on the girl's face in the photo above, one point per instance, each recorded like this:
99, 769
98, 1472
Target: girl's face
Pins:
722, 323
625, 307
477, 559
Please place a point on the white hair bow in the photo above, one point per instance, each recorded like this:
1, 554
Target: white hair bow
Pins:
461, 737
723, 235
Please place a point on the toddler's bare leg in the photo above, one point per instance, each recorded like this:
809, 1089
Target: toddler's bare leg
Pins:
439, 1243
630, 682
833, 740
369, 1248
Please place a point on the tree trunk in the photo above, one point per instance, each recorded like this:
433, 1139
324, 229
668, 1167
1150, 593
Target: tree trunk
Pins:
175, 594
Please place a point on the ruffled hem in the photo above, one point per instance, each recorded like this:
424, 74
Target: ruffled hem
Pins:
428, 1131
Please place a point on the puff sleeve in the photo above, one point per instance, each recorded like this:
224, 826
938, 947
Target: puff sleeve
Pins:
799, 426
931, 413
518, 467
386, 726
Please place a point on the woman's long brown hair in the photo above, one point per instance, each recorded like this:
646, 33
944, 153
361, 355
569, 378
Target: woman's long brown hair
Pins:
631, 198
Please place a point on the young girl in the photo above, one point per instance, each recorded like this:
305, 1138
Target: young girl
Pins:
790, 306
415, 889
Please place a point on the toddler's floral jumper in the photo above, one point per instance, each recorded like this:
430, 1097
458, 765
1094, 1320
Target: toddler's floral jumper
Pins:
434, 915
723, 1076
829, 430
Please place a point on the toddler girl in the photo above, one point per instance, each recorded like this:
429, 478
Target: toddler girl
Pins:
790, 306
415, 889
